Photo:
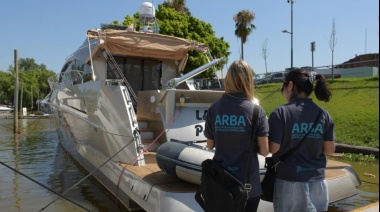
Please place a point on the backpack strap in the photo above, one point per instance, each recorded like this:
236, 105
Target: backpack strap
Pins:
255, 118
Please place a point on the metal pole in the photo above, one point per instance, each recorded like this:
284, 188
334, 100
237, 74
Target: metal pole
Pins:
291, 35
15, 101
312, 61
312, 47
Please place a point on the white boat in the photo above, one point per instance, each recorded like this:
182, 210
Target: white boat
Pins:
5, 110
121, 96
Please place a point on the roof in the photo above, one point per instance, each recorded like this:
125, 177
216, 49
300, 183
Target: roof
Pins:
144, 44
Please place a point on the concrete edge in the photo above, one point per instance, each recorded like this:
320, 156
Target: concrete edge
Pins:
356, 149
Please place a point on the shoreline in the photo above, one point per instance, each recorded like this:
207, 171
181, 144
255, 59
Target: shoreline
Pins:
26, 117
340, 148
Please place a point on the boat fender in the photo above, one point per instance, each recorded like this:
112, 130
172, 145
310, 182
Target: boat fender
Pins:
182, 161
166, 156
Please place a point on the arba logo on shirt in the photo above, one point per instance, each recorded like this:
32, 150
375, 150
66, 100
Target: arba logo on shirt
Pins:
232, 120
305, 127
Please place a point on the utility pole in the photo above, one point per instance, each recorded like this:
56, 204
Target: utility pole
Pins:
312, 47
291, 33
15, 99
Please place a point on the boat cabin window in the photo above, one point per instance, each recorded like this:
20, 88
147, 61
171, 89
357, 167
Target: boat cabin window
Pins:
141, 74
63, 70
77, 65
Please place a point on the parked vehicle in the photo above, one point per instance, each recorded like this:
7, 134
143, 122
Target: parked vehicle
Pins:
214, 86
273, 77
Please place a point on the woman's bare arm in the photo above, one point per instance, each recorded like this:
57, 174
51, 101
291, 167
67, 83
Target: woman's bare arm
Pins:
329, 147
274, 147
263, 146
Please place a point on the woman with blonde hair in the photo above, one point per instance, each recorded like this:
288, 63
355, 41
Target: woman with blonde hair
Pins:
228, 128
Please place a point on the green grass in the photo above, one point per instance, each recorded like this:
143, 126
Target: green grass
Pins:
354, 108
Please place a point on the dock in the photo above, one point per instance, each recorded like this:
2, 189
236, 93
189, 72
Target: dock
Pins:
368, 208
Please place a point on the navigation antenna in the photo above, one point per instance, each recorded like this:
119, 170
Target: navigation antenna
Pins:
147, 19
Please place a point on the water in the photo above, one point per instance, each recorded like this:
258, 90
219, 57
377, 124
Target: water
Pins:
36, 153
368, 191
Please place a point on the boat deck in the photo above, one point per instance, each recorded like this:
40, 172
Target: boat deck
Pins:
152, 174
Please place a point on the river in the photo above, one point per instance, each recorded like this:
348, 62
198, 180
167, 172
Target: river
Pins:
35, 153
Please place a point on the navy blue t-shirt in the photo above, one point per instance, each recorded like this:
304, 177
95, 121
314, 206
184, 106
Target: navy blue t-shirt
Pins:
288, 125
229, 124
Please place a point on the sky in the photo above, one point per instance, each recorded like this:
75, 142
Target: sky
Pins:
49, 31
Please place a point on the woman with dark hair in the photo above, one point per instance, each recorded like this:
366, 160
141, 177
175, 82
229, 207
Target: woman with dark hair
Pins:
300, 183
228, 128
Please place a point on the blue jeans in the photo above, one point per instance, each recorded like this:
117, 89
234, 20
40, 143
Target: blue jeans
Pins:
300, 196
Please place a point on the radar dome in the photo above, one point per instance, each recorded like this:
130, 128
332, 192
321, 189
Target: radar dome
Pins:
147, 10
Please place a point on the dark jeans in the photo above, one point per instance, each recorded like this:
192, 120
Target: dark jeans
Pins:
252, 204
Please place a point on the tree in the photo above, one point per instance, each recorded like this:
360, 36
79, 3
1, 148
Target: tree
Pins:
28, 64
128, 20
184, 25
177, 5
265, 54
332, 43
6, 87
244, 27
33, 76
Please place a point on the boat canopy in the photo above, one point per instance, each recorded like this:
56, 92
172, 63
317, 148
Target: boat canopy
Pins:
141, 44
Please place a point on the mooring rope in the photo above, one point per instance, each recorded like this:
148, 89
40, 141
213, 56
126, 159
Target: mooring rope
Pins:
11, 127
363, 181
34, 125
51, 190
5, 126
88, 175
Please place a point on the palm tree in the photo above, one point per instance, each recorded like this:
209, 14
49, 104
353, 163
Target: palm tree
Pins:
243, 26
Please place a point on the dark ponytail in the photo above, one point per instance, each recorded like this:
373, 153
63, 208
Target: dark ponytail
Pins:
303, 82
321, 90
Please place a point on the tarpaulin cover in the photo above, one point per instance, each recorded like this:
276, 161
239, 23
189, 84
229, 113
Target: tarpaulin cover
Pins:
142, 44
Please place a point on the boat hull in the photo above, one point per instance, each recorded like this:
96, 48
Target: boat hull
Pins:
151, 187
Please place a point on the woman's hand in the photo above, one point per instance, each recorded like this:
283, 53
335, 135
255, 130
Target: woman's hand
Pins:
210, 144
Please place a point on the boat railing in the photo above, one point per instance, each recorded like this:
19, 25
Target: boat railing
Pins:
175, 81
54, 82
